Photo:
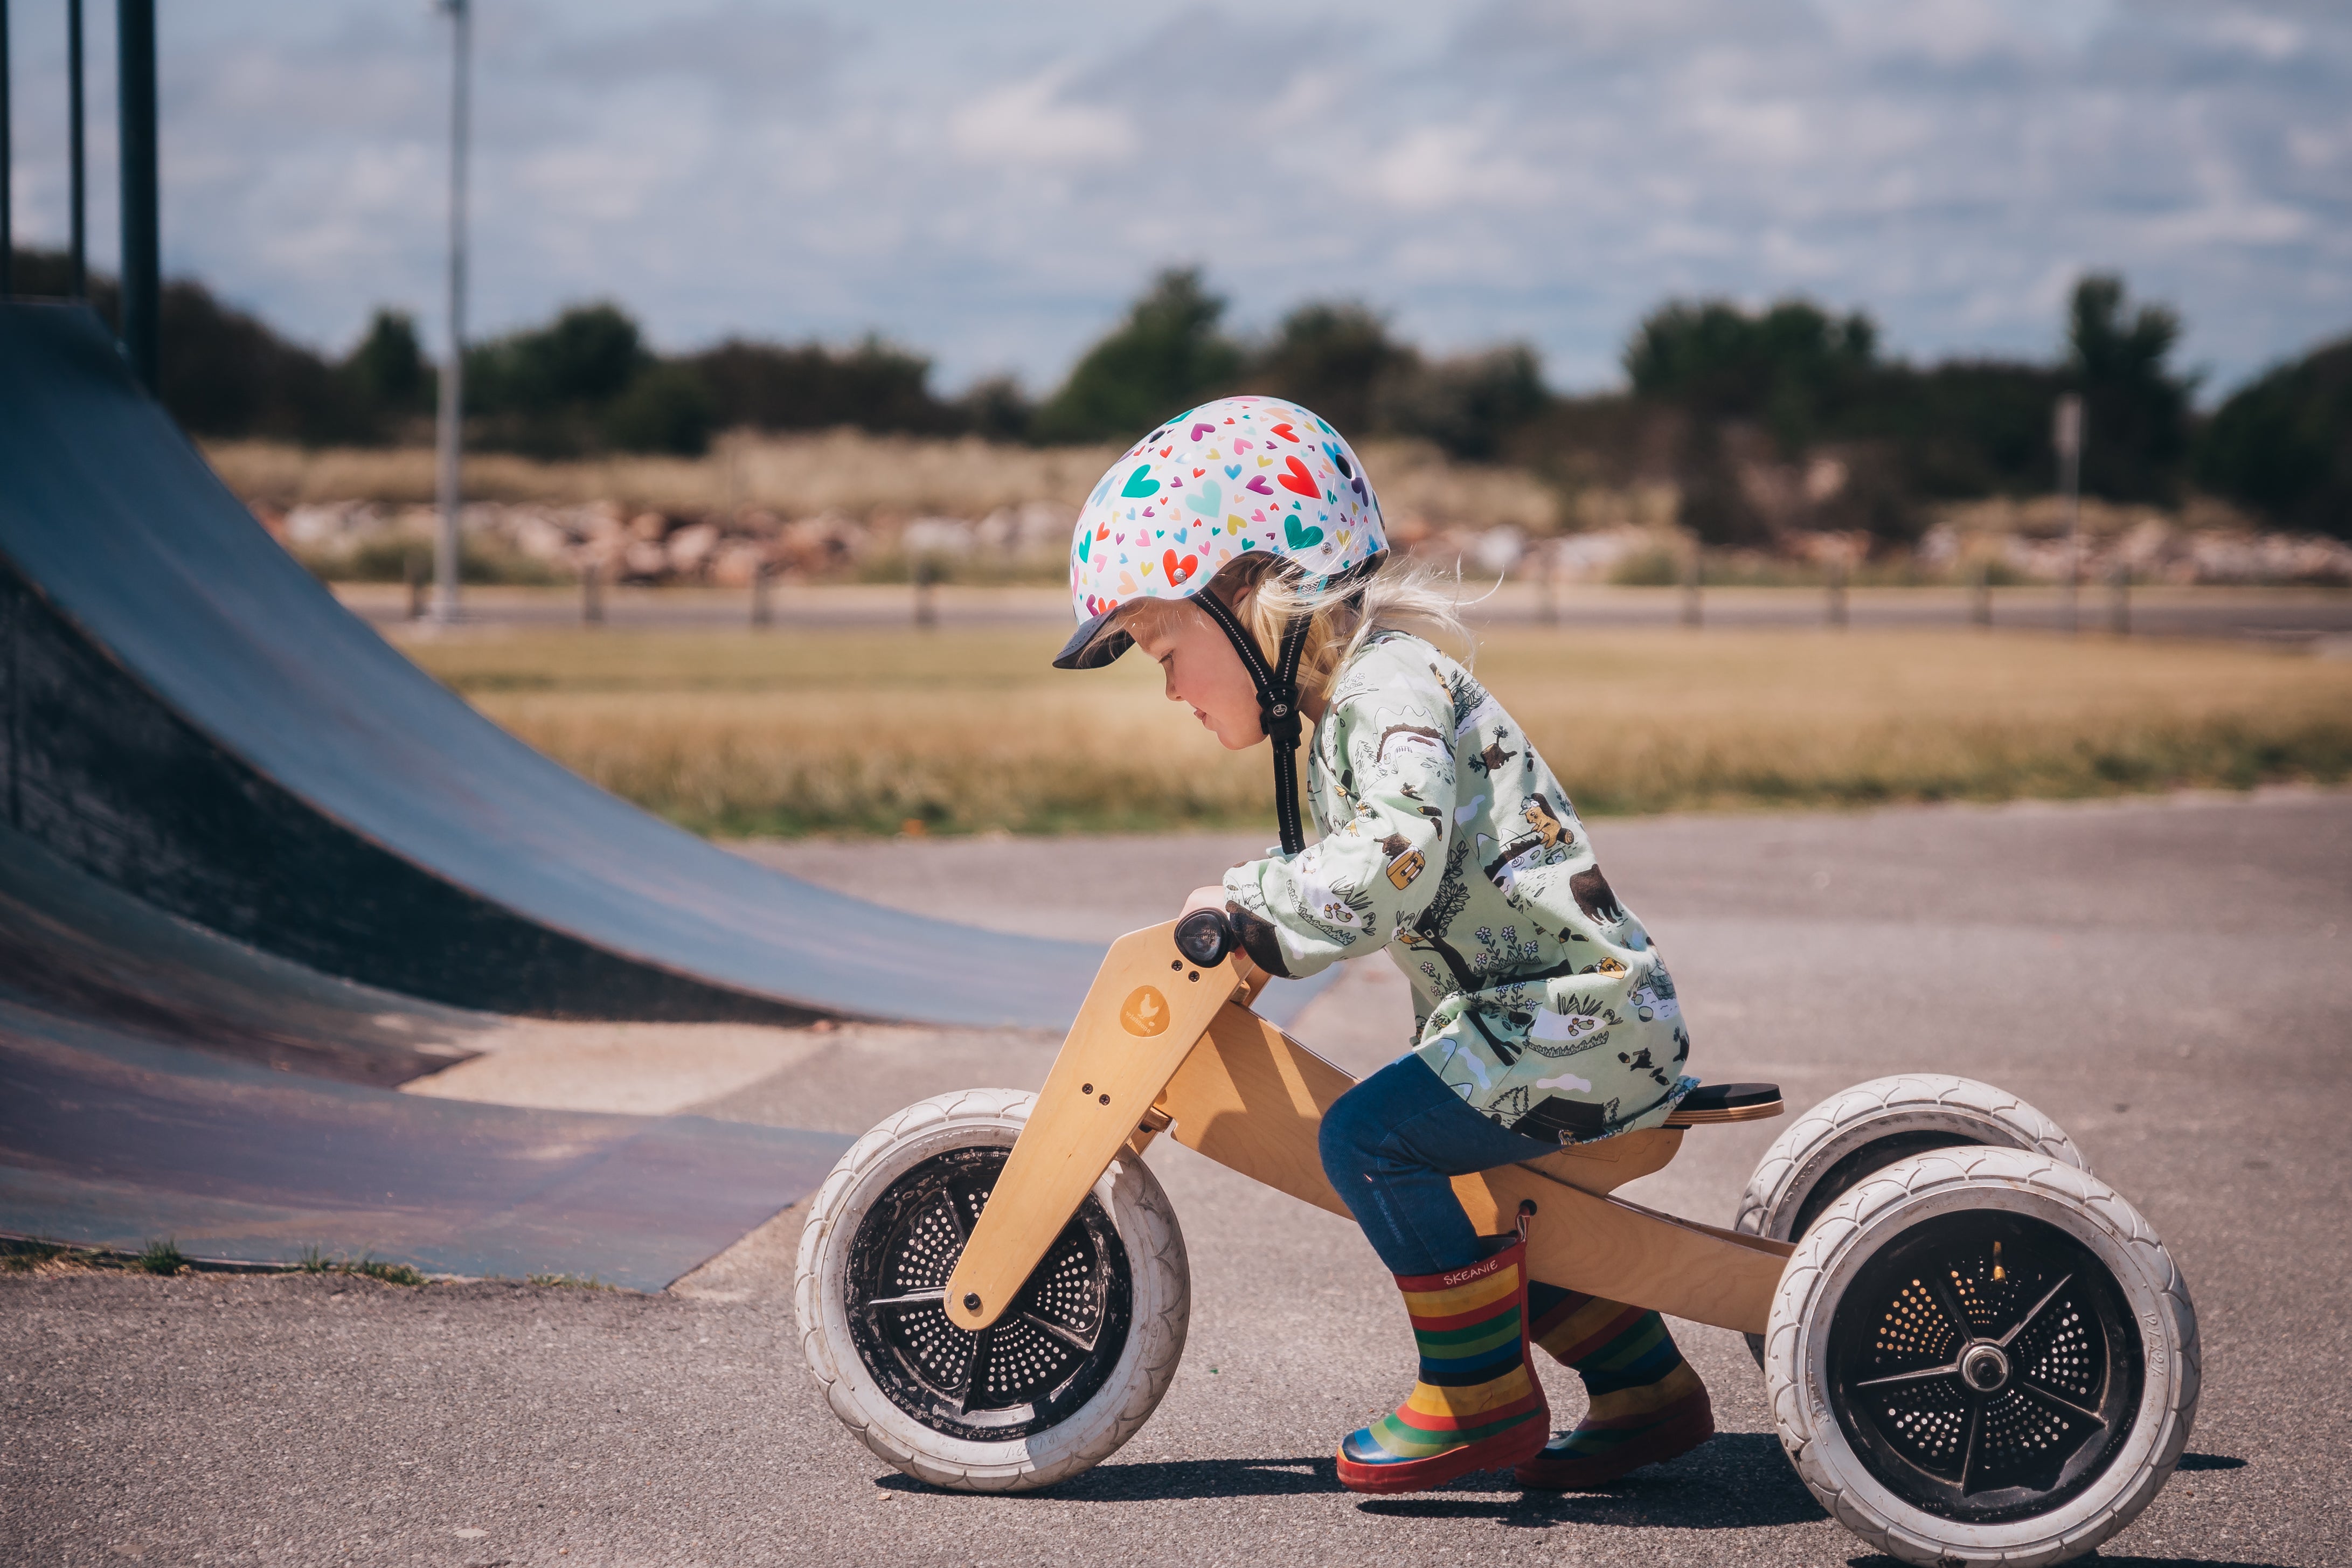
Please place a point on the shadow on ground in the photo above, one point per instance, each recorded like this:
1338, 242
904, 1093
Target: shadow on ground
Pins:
1739, 1480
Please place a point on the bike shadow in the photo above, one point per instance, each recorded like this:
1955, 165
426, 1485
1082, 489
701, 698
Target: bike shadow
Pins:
1163, 1480
1736, 1481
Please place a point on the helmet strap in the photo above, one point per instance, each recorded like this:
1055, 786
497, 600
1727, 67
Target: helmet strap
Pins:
1277, 707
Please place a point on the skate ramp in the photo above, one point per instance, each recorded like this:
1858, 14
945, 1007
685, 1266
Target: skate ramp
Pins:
159, 1081
191, 719
109, 1140
72, 946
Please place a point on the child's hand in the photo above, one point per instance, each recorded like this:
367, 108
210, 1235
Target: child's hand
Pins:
1211, 897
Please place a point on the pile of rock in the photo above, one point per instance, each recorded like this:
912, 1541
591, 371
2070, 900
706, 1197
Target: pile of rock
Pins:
2148, 547
721, 549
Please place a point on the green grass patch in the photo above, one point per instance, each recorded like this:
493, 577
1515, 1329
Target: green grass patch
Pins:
315, 1261
568, 1281
159, 1258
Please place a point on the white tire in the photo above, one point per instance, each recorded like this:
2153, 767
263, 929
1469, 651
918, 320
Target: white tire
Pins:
1952, 1405
1062, 1379
1825, 1153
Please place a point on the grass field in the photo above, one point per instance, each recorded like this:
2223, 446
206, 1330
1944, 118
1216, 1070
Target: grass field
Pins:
788, 733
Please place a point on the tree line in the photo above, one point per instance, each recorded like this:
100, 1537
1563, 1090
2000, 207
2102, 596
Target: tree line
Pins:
1717, 392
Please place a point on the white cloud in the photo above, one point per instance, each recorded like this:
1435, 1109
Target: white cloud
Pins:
992, 184
1027, 122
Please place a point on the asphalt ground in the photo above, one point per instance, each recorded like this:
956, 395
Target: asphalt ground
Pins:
2318, 618
2168, 979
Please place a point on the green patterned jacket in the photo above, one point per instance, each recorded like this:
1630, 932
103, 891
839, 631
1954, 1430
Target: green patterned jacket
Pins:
1538, 997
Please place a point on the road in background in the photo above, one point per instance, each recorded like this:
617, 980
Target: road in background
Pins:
2167, 978
2290, 617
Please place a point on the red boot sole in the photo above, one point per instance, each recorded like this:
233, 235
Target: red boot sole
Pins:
1510, 1448
1672, 1440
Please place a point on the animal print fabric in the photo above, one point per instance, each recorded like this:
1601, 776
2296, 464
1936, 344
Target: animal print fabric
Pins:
1538, 997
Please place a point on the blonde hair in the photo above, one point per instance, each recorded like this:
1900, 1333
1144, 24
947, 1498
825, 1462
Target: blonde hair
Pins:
1401, 596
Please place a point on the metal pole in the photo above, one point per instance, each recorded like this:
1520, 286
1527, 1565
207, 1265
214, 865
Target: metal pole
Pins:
1690, 584
77, 182
7, 163
2067, 435
1980, 595
453, 367
1836, 608
135, 26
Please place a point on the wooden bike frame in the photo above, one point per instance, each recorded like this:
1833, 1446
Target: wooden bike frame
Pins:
1162, 1043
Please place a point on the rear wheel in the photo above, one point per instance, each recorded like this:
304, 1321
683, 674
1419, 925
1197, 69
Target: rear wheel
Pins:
1982, 1355
1055, 1385
1856, 1132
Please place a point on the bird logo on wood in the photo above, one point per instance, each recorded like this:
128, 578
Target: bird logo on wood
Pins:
1144, 1013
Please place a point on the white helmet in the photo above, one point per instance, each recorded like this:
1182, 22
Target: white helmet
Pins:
1209, 486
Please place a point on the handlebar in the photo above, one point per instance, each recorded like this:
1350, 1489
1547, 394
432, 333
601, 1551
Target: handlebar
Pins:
1205, 936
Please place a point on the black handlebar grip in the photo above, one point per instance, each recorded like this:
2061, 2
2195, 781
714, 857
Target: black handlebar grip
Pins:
1205, 936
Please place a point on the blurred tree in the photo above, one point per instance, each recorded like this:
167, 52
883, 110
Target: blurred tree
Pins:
2136, 411
222, 373
1963, 428
2282, 444
585, 357
1335, 359
874, 386
1471, 404
1167, 356
388, 366
1794, 367
666, 407
995, 409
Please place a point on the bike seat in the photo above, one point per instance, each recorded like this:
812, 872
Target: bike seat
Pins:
1710, 1104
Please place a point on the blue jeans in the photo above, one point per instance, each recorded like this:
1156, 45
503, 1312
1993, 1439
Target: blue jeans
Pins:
1391, 1145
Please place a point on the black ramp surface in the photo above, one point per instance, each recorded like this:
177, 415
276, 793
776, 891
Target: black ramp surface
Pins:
158, 1079
76, 947
189, 717
108, 1140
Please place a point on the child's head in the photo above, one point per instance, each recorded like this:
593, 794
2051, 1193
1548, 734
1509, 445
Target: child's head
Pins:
1203, 670
1261, 504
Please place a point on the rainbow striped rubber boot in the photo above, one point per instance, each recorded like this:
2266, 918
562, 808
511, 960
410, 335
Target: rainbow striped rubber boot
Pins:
1477, 1406
1647, 1404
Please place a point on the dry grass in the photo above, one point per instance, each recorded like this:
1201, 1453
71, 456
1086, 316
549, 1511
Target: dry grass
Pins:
837, 470
968, 730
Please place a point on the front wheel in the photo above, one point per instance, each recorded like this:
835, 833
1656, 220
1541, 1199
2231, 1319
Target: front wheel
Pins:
1052, 1387
1982, 1355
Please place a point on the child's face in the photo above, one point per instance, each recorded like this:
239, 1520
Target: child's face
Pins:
1203, 672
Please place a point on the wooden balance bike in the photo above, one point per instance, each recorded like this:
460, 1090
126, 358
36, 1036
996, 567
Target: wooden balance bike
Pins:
1976, 1351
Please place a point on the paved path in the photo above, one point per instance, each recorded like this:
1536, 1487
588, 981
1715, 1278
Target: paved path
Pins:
2319, 618
2168, 979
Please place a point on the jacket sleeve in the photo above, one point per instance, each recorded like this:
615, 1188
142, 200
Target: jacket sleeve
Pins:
1390, 767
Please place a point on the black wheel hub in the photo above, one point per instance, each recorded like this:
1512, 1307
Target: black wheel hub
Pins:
1984, 1366
1047, 1356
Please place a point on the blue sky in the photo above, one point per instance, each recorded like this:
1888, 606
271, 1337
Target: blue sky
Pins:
991, 184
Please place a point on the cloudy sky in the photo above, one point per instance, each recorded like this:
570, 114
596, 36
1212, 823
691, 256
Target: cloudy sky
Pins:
992, 183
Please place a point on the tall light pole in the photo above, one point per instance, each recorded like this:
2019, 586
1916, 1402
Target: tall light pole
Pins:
453, 365
134, 27
2067, 435
77, 181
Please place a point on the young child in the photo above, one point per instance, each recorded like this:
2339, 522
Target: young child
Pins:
1241, 546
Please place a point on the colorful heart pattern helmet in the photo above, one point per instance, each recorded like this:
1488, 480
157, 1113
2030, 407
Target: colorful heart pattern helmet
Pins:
1215, 483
